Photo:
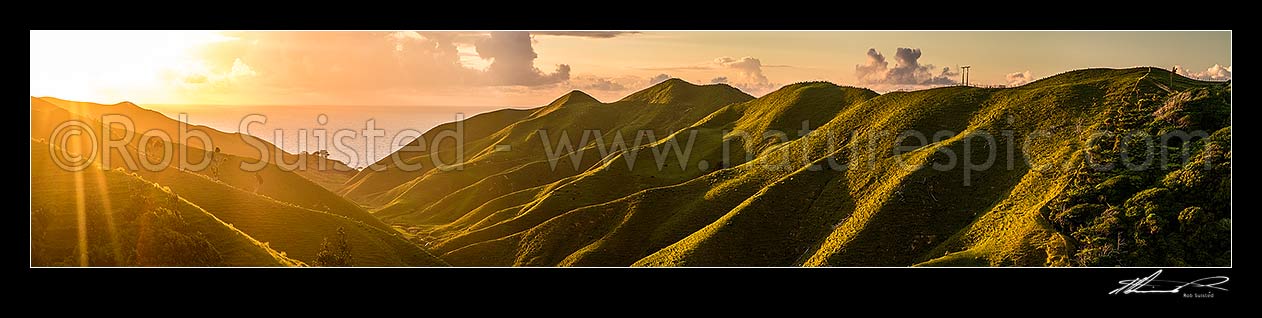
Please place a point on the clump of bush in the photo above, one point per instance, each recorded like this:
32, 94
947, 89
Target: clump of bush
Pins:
1159, 215
165, 239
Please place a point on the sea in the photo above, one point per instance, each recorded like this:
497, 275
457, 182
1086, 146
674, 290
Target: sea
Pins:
295, 128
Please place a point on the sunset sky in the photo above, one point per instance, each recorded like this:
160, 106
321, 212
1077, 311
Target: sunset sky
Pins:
476, 68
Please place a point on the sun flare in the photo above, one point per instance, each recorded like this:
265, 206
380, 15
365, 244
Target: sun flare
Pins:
111, 66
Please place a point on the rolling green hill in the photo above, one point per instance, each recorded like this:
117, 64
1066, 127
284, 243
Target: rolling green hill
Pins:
291, 214
1094, 167
890, 206
102, 217
784, 110
570, 117
332, 174
368, 185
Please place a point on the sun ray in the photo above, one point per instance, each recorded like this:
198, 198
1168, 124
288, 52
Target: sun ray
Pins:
81, 208
103, 189
81, 215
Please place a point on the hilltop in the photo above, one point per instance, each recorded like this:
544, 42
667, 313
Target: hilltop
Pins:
331, 175
1056, 172
288, 213
129, 221
765, 205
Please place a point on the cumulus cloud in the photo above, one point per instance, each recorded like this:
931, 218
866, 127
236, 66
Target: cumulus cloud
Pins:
907, 69
1214, 73
1018, 78
719, 80
749, 68
874, 70
658, 78
596, 84
364, 66
240, 70
749, 74
513, 61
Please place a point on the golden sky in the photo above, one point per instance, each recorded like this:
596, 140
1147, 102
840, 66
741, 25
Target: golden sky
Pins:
475, 68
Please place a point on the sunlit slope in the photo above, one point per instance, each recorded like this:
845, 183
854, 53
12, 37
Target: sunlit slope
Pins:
295, 230
883, 209
269, 180
45, 117
570, 117
368, 185
1173, 212
786, 218
330, 175
1005, 177
128, 221
287, 211
746, 128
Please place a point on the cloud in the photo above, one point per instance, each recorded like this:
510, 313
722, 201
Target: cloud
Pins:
749, 68
586, 34
361, 67
200, 76
719, 80
596, 83
1214, 73
1018, 78
679, 68
750, 77
945, 77
513, 61
658, 78
907, 70
240, 70
875, 70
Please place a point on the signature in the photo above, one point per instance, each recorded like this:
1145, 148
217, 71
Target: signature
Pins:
1152, 285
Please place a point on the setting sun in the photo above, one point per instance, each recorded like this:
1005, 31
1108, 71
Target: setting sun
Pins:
112, 66
631, 148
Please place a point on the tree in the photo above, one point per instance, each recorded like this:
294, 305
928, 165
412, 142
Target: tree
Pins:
166, 239
216, 159
335, 251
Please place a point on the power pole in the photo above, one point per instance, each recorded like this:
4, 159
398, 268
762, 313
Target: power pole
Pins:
964, 74
1173, 70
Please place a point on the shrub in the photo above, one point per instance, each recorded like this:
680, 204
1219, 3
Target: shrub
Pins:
165, 239
335, 251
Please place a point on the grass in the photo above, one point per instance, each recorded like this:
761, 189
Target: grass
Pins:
612, 180
294, 229
889, 207
571, 116
114, 203
744, 214
288, 212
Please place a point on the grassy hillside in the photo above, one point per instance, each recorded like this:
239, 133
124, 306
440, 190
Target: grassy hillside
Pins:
1095, 167
574, 118
331, 174
368, 185
783, 111
890, 206
296, 230
288, 212
270, 180
102, 217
